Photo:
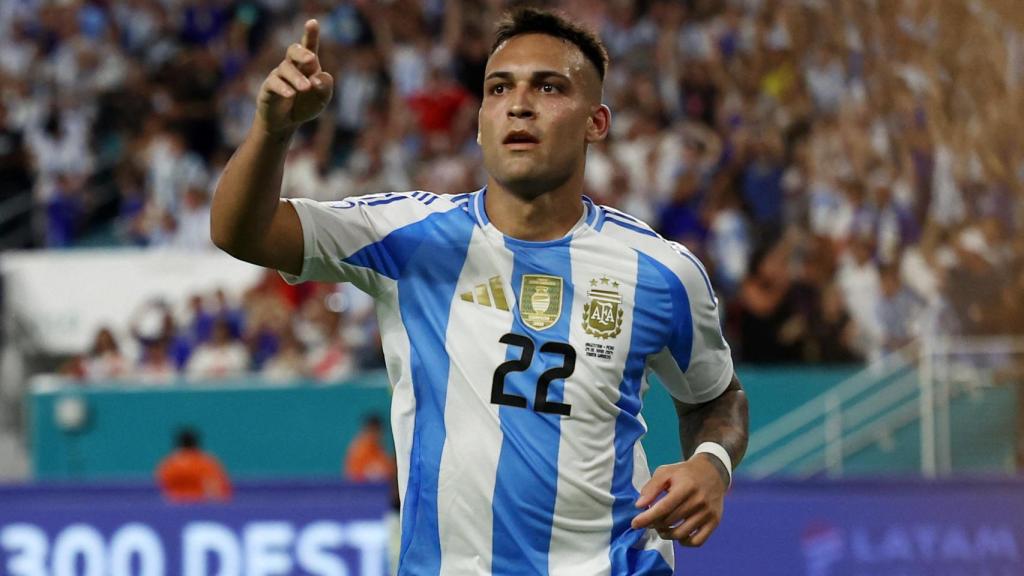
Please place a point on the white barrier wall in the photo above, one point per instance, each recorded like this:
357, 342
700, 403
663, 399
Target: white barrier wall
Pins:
63, 297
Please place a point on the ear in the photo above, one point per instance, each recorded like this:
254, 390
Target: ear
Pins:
598, 124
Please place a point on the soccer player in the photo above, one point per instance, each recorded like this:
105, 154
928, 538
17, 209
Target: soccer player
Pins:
519, 324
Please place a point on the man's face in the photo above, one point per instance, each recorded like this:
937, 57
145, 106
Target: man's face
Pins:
535, 120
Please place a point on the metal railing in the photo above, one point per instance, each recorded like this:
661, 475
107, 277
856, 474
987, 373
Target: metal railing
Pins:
807, 428
917, 383
949, 368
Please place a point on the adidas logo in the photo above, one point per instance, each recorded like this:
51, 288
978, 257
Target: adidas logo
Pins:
490, 294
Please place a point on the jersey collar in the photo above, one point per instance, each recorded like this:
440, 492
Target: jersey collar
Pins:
589, 219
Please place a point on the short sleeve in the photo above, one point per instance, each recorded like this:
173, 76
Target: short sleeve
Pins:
696, 363
346, 241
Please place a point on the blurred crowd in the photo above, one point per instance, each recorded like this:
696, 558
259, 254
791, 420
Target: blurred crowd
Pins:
313, 332
849, 170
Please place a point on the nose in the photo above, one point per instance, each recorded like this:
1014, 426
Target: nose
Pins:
522, 106
517, 111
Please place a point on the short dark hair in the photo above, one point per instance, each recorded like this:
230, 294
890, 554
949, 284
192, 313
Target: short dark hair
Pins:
536, 21
187, 438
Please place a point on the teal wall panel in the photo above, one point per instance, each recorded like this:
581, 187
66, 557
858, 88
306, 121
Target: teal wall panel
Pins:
302, 431
257, 431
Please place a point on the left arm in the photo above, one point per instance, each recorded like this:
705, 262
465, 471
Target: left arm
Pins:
695, 488
723, 420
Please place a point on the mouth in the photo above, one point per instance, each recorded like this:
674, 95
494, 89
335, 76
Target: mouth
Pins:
520, 140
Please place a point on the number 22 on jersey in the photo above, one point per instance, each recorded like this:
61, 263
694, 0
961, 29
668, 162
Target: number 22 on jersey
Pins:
521, 364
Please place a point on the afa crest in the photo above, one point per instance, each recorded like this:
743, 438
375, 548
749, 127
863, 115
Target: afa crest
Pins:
602, 314
540, 300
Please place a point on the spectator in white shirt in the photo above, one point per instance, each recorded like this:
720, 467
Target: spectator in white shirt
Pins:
220, 357
105, 360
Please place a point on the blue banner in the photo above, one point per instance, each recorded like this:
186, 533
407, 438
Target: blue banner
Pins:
283, 529
817, 528
866, 528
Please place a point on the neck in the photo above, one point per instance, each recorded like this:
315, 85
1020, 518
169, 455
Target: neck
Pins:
548, 216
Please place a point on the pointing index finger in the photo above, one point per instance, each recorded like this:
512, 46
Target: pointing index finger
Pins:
311, 36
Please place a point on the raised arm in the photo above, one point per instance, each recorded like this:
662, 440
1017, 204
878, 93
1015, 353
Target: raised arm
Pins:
248, 219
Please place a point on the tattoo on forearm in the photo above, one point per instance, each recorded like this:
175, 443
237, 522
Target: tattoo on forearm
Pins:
723, 420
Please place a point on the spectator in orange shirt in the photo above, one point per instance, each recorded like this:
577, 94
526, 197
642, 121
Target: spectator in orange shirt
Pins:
190, 475
366, 459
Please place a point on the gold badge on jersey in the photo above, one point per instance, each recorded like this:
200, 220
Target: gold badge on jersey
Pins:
602, 314
540, 300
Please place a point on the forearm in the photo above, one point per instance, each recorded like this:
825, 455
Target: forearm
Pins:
723, 420
248, 193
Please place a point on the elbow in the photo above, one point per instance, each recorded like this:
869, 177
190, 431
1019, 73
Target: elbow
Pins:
220, 241
228, 245
221, 236
231, 242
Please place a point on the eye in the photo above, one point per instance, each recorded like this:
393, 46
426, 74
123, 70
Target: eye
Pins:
498, 89
548, 88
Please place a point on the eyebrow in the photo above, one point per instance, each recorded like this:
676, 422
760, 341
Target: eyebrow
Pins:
539, 74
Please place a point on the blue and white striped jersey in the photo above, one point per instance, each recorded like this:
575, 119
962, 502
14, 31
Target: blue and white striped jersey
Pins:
518, 371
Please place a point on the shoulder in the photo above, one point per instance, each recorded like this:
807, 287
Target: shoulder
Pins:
166, 463
623, 225
382, 212
207, 460
666, 255
418, 200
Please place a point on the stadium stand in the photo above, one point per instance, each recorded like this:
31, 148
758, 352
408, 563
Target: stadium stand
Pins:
826, 162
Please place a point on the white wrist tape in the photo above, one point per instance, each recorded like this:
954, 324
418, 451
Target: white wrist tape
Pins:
718, 451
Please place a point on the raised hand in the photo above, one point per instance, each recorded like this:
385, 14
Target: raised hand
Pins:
297, 90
